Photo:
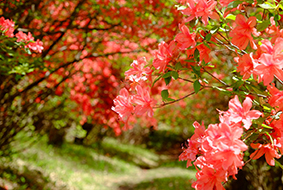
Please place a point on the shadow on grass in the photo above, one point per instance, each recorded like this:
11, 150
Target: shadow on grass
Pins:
167, 183
90, 159
135, 155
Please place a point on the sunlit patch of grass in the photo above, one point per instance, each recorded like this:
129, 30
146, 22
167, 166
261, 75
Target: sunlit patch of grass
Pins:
180, 183
109, 166
75, 165
161, 178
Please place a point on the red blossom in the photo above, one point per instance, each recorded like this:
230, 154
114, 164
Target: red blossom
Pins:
185, 39
246, 64
268, 149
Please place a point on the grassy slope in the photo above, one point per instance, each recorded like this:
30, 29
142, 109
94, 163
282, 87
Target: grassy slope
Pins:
111, 166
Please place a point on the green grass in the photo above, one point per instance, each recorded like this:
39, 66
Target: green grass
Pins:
110, 166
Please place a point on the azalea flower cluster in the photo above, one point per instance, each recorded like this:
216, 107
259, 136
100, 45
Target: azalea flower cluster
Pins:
200, 8
137, 99
265, 64
7, 28
217, 151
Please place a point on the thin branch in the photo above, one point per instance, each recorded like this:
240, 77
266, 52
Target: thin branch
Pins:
164, 104
281, 82
221, 81
188, 80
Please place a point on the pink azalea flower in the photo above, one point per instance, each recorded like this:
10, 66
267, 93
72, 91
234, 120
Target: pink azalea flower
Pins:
276, 50
205, 10
238, 113
210, 179
191, 11
189, 154
138, 71
276, 97
185, 39
162, 56
22, 37
36, 46
7, 26
200, 8
29, 39
143, 101
123, 105
268, 68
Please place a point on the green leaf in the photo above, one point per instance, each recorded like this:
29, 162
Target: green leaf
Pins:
231, 17
197, 86
175, 75
190, 60
28, 51
204, 42
157, 79
168, 74
178, 66
196, 54
164, 94
266, 126
214, 30
234, 4
267, 5
277, 17
262, 26
167, 80
17, 77
196, 70
208, 37
278, 164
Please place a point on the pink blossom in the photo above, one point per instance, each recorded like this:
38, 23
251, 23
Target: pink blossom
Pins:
185, 39
205, 10
238, 113
276, 97
241, 40
268, 68
221, 150
246, 26
210, 179
7, 26
139, 71
276, 50
36, 46
200, 8
22, 37
29, 40
246, 64
164, 55
143, 101
189, 154
123, 105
